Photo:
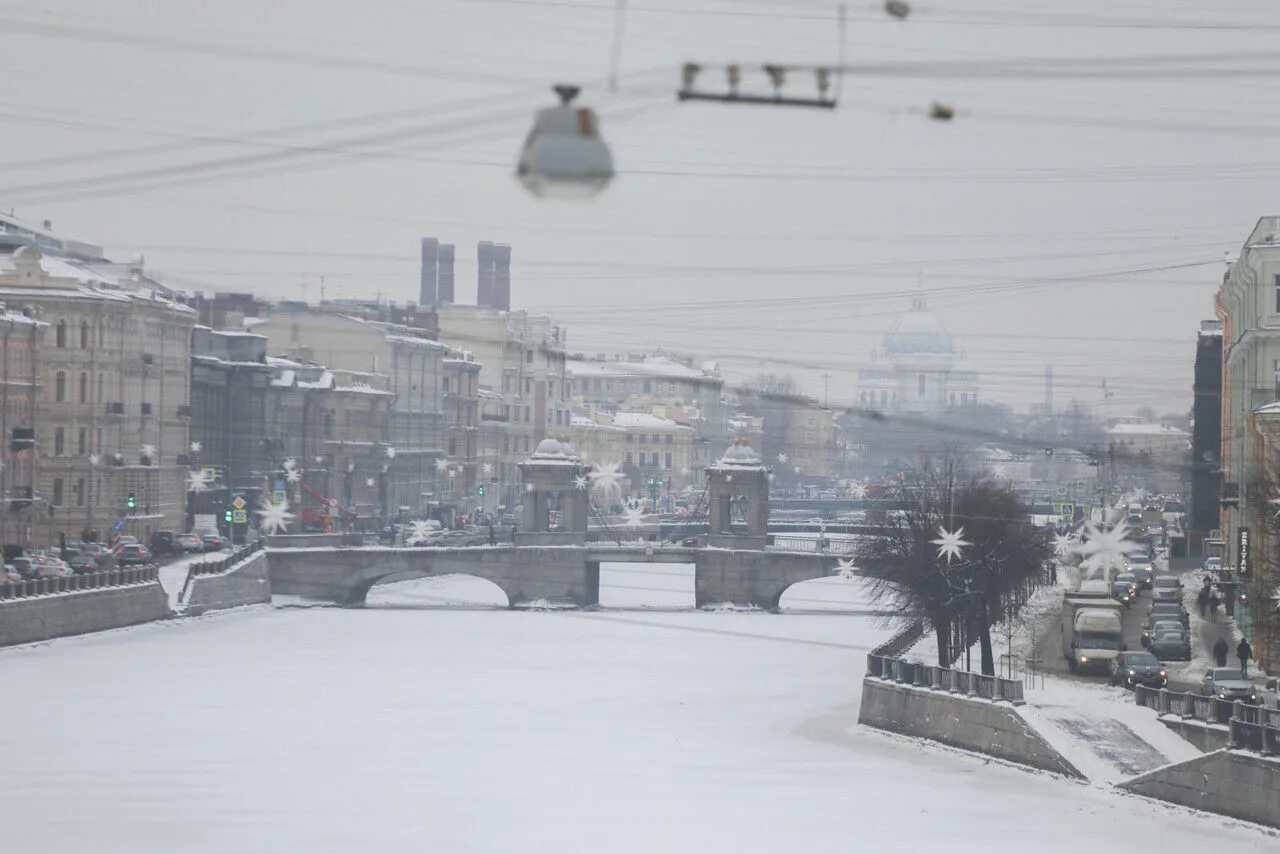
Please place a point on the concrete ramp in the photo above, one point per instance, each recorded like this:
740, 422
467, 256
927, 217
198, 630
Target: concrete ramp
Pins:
1228, 782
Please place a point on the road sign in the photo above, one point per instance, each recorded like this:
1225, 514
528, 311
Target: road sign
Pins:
211, 471
238, 503
278, 496
117, 525
239, 517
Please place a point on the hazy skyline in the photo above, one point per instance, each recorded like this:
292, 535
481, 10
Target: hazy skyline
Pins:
1075, 212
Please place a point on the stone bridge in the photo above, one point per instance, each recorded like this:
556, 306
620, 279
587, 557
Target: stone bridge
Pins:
560, 574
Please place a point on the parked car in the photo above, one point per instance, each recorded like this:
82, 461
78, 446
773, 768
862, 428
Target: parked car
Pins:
1213, 565
1138, 668
1124, 592
1228, 683
51, 567
1143, 574
1159, 624
1170, 646
188, 543
82, 564
10, 575
131, 554
214, 542
1169, 611
1166, 588
25, 566
162, 543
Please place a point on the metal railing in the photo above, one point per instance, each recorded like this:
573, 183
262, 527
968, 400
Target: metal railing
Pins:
74, 583
947, 679
1248, 726
821, 544
213, 567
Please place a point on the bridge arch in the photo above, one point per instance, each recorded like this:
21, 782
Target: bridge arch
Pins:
455, 590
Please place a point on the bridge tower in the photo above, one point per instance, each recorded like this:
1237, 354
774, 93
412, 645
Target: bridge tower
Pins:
738, 484
554, 479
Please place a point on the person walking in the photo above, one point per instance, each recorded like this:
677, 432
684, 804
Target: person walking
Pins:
493, 535
1214, 602
1202, 600
1220, 650
1244, 652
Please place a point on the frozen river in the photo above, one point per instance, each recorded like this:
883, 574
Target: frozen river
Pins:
399, 728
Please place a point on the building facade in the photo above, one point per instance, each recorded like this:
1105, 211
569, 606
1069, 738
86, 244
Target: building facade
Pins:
1204, 510
20, 341
229, 382
919, 369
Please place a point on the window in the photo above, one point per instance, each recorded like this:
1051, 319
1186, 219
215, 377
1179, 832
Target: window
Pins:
100, 387
453, 447
82, 446
628, 458
920, 384
668, 460
444, 384
60, 386
526, 421
506, 444
84, 388
59, 442
1278, 293
57, 492
528, 357
60, 334
80, 492
671, 440
528, 385
84, 335
629, 439
648, 386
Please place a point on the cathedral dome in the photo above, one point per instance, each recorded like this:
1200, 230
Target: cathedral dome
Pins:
918, 332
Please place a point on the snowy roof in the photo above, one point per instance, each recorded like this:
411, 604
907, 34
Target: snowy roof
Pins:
737, 456
584, 423
1141, 429
918, 332
645, 421
1268, 409
660, 366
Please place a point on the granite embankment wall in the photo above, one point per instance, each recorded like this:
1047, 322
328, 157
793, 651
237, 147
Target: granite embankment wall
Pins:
1228, 782
244, 583
971, 723
37, 618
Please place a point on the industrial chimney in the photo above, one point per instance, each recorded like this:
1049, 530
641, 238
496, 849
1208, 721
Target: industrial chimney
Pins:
427, 289
444, 274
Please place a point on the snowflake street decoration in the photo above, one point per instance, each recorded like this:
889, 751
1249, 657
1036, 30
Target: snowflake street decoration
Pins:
197, 481
528, 487
290, 464
195, 447
419, 532
858, 490
386, 467
318, 458
950, 543
729, 478
782, 458
771, 476
580, 482
453, 473
796, 469
119, 458
148, 451
685, 471
607, 480
487, 468
351, 467
633, 517
94, 459
845, 568
368, 481
391, 453
273, 516
1103, 547
1275, 503
293, 475
1062, 544
1000, 472
442, 464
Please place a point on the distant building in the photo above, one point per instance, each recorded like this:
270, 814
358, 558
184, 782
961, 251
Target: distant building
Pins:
1206, 438
916, 368
657, 453
229, 381
20, 342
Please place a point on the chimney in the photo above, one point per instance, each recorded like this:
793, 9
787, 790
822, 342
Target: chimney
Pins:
502, 276
484, 275
427, 290
444, 273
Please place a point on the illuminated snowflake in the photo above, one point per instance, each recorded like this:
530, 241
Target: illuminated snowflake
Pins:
1104, 547
148, 451
318, 458
419, 532
290, 464
772, 477
607, 479
119, 458
195, 447
728, 478
529, 487
391, 453
845, 568
782, 458
293, 475
685, 471
857, 490
1000, 471
442, 464
274, 516
94, 459
487, 469
633, 517
796, 469
580, 482
1062, 544
453, 473
198, 481
950, 543
370, 482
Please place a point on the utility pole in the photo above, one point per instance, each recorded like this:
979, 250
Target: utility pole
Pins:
619, 28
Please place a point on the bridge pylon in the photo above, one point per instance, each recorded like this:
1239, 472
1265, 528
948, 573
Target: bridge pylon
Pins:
554, 478
738, 494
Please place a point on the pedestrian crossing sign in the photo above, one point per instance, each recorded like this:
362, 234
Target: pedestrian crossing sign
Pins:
239, 517
278, 496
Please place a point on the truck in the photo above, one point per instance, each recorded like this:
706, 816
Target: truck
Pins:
1092, 632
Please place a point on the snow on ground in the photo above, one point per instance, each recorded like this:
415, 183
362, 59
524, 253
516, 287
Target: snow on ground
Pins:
396, 728
173, 575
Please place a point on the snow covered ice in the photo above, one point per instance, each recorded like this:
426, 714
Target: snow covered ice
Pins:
397, 728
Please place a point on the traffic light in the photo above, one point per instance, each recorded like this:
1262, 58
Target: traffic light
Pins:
480, 489
131, 502
226, 515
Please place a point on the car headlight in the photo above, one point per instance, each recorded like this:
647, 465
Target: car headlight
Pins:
1083, 659
1162, 673
1133, 673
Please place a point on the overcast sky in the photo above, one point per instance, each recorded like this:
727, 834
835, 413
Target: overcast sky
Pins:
1104, 157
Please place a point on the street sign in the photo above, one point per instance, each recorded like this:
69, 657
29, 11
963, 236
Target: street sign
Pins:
211, 471
278, 496
117, 525
238, 503
239, 517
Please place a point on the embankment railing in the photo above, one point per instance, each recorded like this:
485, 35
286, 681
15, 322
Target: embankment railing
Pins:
1249, 726
80, 581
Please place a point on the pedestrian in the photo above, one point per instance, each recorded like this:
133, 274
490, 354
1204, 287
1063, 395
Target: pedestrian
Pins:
1214, 602
1220, 652
1244, 652
1053, 573
1202, 600
493, 535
